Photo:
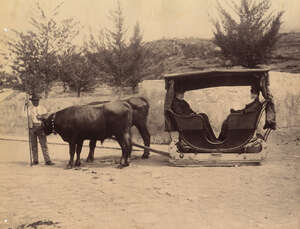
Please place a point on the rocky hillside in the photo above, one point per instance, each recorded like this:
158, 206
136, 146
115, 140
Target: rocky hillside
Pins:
286, 56
192, 54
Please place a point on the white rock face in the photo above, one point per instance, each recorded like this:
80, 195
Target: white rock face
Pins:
216, 102
286, 91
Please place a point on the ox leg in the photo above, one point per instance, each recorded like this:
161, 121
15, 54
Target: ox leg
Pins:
78, 151
143, 130
72, 147
125, 143
127, 137
128, 143
90, 157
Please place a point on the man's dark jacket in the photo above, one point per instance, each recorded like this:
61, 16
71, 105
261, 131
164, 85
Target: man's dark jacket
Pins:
181, 107
251, 107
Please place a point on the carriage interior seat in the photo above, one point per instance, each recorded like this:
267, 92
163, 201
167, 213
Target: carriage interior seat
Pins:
193, 122
192, 131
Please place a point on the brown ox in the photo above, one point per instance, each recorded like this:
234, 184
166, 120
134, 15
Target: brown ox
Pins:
78, 123
140, 107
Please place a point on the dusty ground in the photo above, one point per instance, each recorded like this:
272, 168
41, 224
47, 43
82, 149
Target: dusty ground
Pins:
150, 194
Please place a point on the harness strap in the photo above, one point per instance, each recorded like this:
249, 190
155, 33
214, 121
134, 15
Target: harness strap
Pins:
52, 123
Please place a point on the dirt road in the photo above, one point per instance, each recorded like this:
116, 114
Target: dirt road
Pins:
149, 194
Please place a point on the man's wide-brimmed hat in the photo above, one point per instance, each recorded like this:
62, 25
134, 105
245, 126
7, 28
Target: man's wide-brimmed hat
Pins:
35, 97
179, 90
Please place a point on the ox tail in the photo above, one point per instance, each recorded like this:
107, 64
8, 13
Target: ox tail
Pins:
129, 115
147, 104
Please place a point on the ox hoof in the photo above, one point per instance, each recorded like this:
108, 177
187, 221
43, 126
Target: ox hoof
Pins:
121, 166
69, 166
145, 156
77, 164
90, 160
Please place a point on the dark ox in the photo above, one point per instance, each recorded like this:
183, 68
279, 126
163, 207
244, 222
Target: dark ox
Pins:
78, 123
140, 107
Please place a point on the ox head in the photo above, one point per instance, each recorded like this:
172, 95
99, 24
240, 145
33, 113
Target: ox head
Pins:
48, 124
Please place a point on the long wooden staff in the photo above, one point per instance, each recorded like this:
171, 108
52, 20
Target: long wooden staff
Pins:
29, 139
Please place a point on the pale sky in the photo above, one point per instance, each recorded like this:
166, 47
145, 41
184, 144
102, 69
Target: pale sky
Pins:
157, 18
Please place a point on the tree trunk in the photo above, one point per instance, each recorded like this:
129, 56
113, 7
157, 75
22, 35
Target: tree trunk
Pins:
78, 91
46, 90
133, 89
65, 86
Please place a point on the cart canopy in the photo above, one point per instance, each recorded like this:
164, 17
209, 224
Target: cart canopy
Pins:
258, 78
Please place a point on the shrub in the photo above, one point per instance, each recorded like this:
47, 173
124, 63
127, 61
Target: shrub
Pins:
248, 37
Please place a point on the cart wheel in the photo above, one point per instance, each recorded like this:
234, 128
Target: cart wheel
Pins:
181, 155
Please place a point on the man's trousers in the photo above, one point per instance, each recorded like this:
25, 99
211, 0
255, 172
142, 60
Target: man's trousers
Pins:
36, 132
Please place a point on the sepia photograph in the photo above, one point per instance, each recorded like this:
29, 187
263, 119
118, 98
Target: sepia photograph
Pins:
162, 114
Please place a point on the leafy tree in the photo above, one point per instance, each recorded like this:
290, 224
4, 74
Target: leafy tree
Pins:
115, 50
137, 55
124, 62
143, 60
248, 36
26, 61
35, 52
77, 71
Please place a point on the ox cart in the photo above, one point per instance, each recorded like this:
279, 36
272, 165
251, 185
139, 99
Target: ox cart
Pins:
193, 142
192, 145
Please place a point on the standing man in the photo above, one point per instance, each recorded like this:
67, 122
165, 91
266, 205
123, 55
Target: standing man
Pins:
36, 112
